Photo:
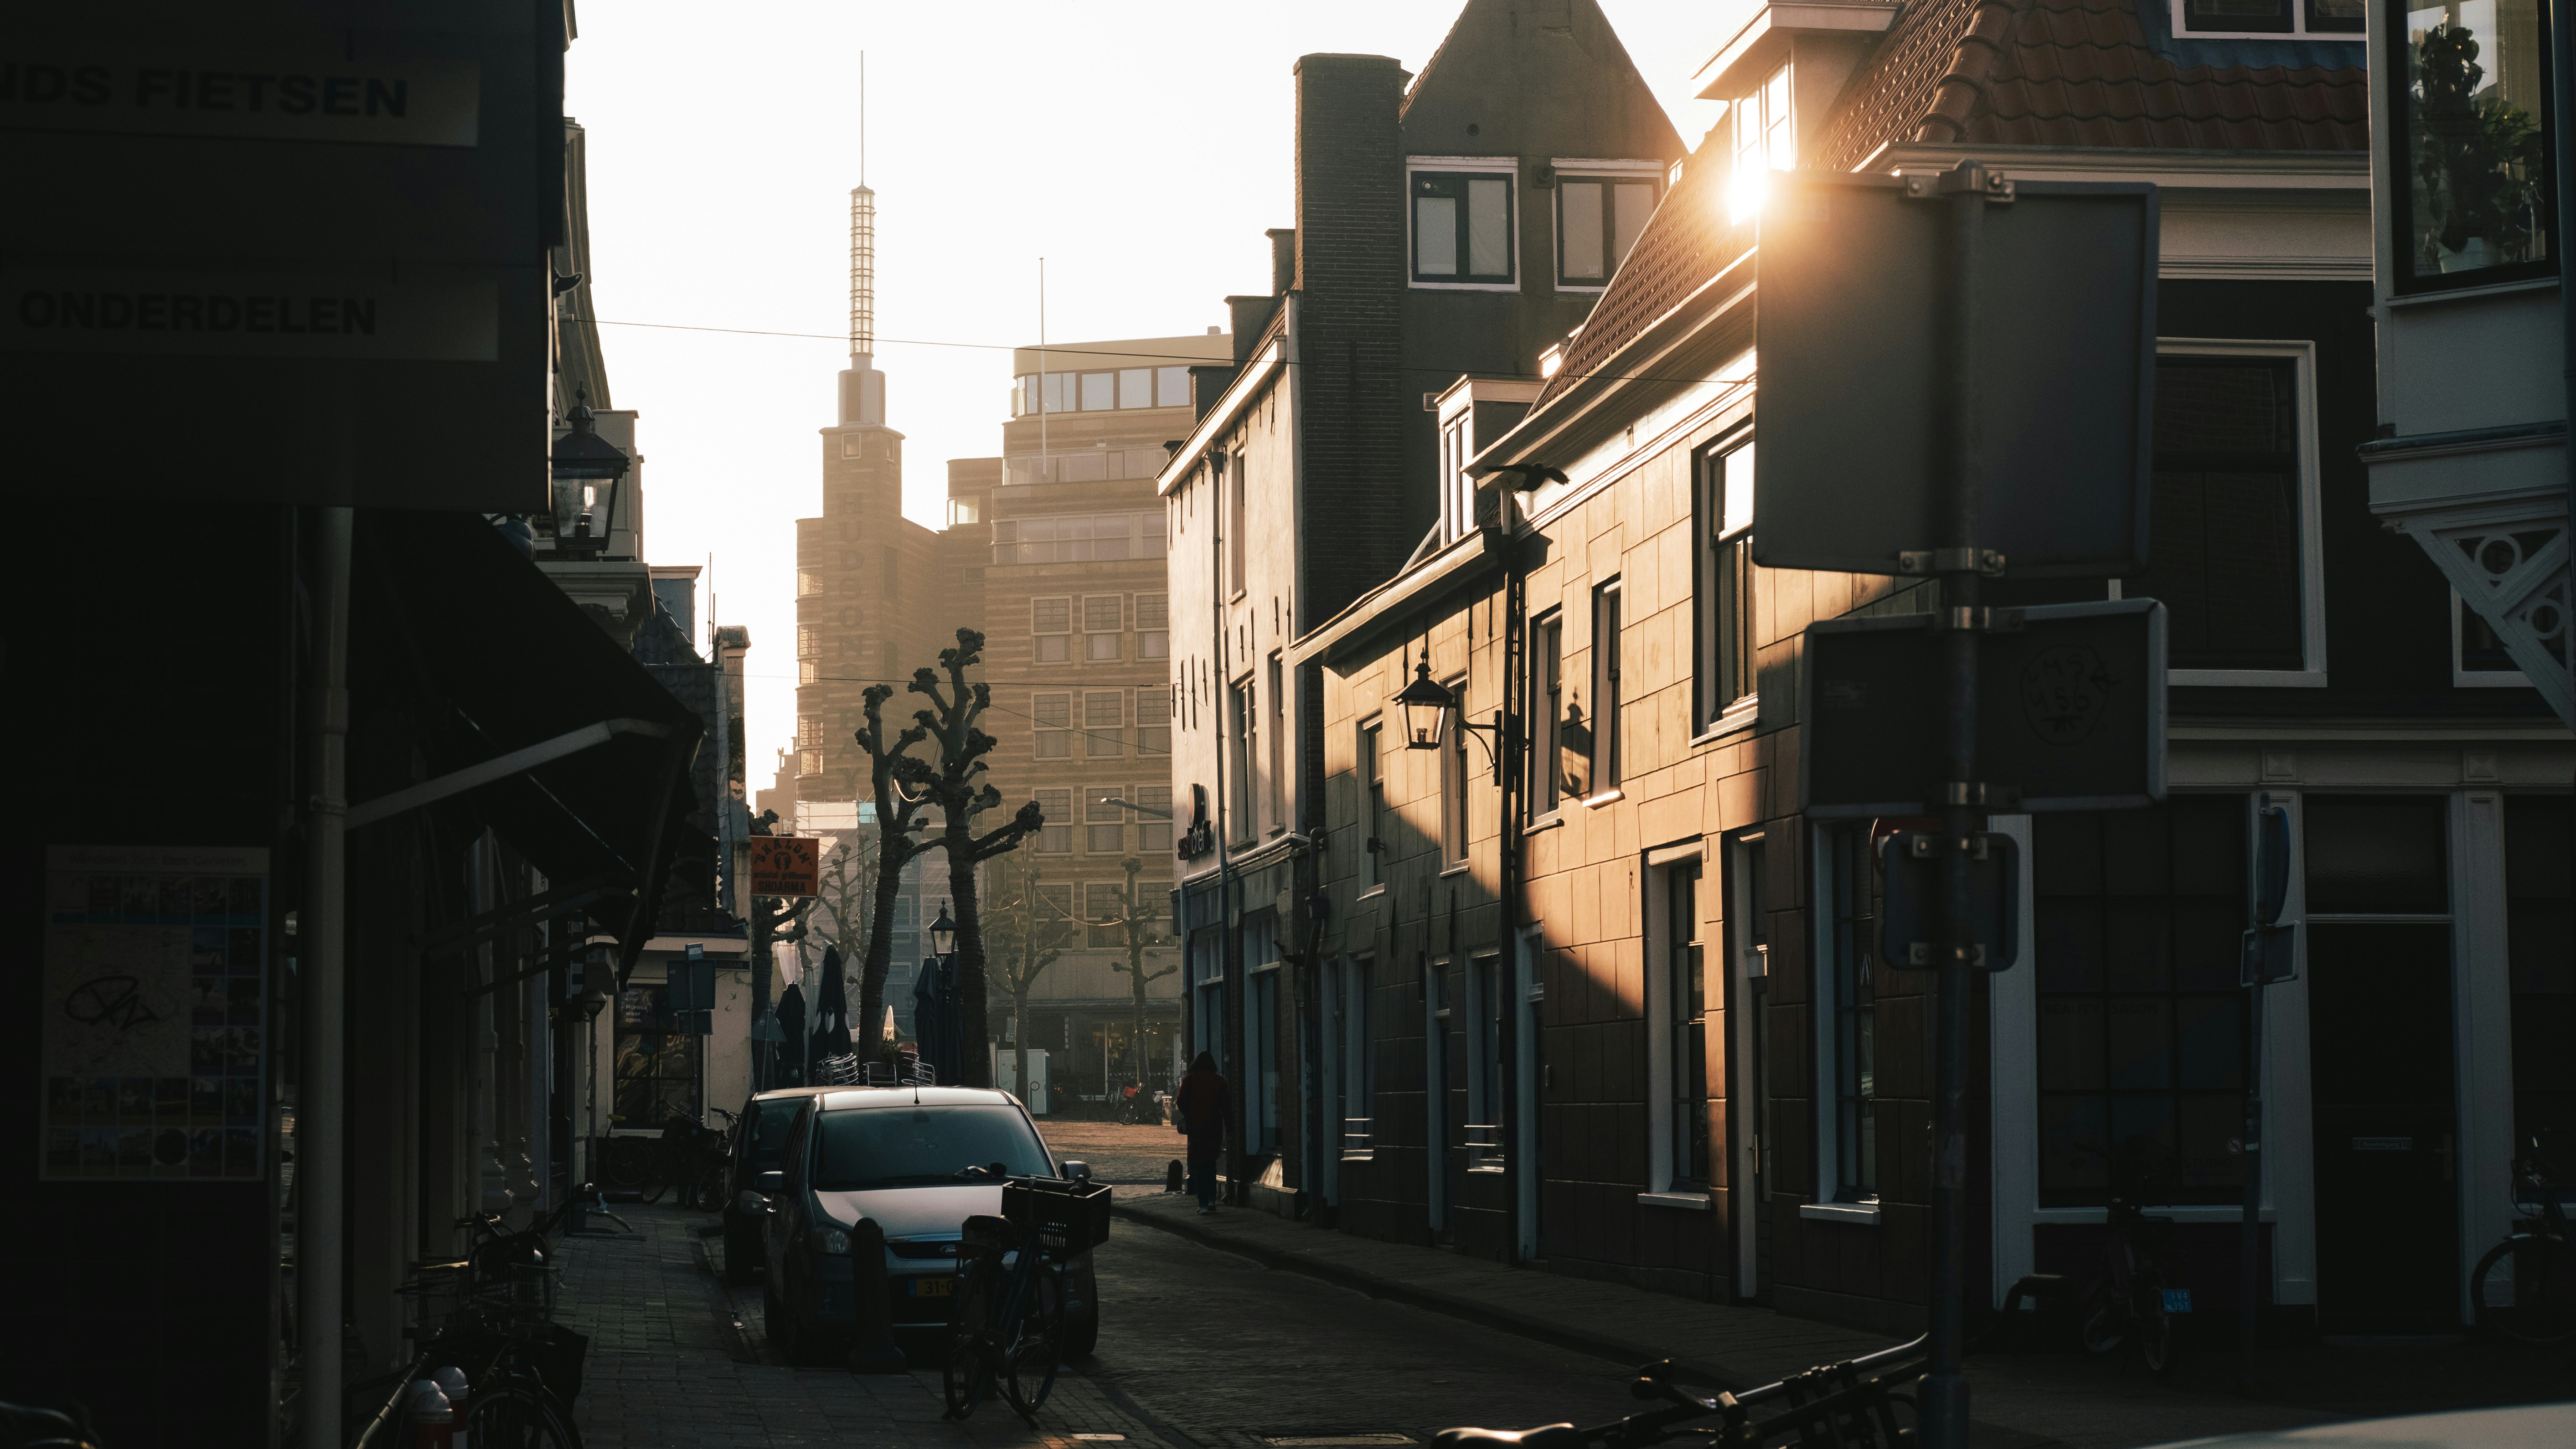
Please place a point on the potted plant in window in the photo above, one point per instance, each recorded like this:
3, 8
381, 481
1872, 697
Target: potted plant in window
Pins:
2476, 157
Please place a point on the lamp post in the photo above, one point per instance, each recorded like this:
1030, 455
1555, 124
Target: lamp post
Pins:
1427, 705
952, 1030
587, 471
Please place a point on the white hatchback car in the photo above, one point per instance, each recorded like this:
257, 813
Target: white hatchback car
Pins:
918, 1162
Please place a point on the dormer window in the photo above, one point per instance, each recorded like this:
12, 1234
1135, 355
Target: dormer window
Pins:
1766, 140
1462, 226
2270, 17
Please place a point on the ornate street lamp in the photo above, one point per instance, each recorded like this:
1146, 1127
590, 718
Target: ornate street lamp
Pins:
587, 472
943, 934
1426, 704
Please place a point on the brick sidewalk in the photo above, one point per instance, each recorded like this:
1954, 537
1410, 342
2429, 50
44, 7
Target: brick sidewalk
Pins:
2022, 1401
675, 1361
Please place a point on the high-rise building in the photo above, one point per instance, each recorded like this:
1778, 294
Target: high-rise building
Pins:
869, 607
1070, 541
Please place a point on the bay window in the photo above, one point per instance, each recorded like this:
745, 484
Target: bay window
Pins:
2470, 106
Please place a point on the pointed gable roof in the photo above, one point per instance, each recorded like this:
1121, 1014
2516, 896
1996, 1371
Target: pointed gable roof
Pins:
2107, 73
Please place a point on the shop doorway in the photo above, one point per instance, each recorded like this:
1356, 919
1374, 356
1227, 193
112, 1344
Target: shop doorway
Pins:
2382, 1078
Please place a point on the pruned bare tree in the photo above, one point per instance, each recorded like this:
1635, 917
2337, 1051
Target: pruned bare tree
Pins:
1135, 923
898, 841
951, 785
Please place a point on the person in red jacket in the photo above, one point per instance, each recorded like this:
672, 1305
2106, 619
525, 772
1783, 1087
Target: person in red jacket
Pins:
1200, 1109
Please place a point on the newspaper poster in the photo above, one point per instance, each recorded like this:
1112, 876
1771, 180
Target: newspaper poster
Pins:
156, 1031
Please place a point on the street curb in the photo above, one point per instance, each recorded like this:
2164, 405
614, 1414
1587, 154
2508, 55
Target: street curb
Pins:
1599, 1345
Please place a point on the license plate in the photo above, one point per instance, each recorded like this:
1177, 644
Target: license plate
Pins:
939, 1287
2177, 1300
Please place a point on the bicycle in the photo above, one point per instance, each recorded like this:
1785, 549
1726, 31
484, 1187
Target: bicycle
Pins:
522, 1369
1847, 1405
651, 1168
2525, 1286
2129, 1303
1006, 1318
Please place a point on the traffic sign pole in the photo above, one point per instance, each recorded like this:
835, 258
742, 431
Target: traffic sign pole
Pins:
1959, 564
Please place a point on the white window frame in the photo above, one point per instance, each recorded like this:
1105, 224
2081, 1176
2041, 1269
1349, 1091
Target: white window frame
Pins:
1504, 166
1586, 168
2463, 677
1659, 1033
2312, 551
1829, 1201
1369, 769
1082, 625
2298, 28
1066, 633
1040, 731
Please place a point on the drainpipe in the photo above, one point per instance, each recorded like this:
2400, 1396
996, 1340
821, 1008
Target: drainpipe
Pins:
1230, 955
1508, 766
2562, 94
321, 1125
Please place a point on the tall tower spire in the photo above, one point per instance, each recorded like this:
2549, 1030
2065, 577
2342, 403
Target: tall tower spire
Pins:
862, 386
863, 274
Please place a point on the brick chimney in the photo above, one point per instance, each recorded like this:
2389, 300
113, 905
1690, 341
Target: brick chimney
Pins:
1349, 243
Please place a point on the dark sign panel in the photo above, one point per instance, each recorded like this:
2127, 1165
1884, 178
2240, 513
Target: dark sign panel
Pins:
1854, 338
2071, 716
272, 257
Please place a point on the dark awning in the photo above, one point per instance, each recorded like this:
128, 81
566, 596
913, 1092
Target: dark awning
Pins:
502, 670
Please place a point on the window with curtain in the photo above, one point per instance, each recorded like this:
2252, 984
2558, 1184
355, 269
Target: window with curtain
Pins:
1606, 699
1685, 985
1051, 718
1462, 227
1056, 836
1598, 219
1104, 721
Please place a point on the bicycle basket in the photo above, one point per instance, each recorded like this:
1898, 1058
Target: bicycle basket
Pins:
1066, 1217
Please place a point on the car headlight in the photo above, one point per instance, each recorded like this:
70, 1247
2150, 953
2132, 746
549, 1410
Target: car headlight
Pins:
831, 1239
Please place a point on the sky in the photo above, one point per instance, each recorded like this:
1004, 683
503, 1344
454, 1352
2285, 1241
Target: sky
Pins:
1140, 147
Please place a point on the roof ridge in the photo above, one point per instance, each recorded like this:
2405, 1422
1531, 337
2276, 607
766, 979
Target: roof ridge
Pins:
1955, 95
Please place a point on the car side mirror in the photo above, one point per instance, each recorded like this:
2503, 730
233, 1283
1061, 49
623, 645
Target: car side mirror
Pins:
1076, 1171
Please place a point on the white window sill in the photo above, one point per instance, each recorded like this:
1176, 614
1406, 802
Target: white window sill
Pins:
1738, 717
1420, 286
1460, 868
1697, 1202
1373, 892
2464, 294
1550, 821
1607, 797
1495, 1168
1862, 1213
1369, 1156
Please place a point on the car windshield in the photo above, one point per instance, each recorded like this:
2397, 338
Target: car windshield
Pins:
919, 1146
769, 1135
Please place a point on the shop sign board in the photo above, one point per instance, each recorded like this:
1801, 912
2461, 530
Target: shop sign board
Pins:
273, 258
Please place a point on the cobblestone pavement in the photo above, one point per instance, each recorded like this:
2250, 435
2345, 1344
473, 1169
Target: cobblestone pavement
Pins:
1205, 1347
678, 1360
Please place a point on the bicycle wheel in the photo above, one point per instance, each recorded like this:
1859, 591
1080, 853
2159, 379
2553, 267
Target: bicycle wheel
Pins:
1029, 1363
966, 1372
2155, 1326
2104, 1325
518, 1416
625, 1162
2526, 1289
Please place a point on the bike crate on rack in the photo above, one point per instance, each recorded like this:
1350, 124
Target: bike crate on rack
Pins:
1066, 1216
